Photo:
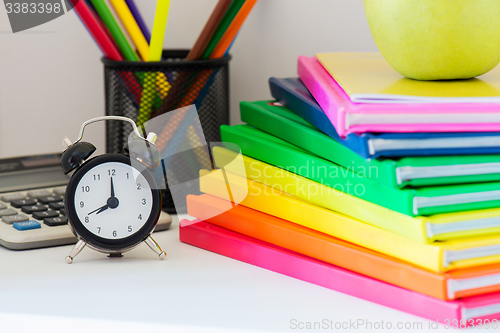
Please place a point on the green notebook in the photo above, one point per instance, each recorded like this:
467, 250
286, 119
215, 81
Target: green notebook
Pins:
410, 171
410, 201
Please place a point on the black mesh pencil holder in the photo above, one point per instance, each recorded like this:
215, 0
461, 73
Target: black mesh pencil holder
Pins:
177, 83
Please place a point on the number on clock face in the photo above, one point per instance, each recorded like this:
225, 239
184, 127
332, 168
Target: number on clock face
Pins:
113, 200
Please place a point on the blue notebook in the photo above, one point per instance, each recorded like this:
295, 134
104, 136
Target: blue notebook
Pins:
292, 93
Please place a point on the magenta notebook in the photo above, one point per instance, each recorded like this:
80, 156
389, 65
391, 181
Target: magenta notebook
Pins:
475, 310
349, 117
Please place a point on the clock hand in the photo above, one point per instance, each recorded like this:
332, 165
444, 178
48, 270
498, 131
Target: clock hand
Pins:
103, 208
100, 209
112, 188
112, 203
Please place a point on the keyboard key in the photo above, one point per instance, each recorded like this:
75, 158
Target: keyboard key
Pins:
9, 211
15, 218
49, 199
56, 205
55, 221
22, 202
38, 193
21, 226
60, 191
42, 215
63, 212
34, 208
3, 206
14, 196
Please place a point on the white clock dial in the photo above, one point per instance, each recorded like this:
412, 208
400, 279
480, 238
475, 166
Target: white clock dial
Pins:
113, 200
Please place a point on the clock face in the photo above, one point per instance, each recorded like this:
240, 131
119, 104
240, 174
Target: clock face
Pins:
113, 200
110, 202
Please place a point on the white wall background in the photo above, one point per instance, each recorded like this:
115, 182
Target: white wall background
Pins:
51, 77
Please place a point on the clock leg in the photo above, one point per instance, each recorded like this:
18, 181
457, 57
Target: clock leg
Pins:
77, 249
153, 245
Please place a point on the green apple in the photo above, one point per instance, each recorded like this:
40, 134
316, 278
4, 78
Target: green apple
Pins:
437, 39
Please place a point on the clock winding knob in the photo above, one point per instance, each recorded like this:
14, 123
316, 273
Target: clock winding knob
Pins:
152, 137
66, 142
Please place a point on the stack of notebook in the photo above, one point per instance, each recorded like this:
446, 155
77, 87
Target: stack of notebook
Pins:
367, 183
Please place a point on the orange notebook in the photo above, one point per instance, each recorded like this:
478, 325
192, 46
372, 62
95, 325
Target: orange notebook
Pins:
446, 286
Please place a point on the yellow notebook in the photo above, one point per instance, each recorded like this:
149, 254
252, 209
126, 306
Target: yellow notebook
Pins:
437, 257
422, 228
368, 78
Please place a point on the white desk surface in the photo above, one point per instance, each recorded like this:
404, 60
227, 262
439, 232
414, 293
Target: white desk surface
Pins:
193, 290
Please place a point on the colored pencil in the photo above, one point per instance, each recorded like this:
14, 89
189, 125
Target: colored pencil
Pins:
238, 14
122, 28
91, 6
223, 26
132, 83
159, 26
98, 19
230, 46
231, 32
106, 45
138, 39
200, 80
225, 42
176, 94
113, 27
195, 54
155, 52
176, 98
138, 18
208, 31
96, 31
135, 33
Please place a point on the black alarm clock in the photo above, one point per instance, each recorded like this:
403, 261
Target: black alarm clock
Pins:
113, 201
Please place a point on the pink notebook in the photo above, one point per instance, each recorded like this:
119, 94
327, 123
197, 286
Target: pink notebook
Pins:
473, 310
349, 117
